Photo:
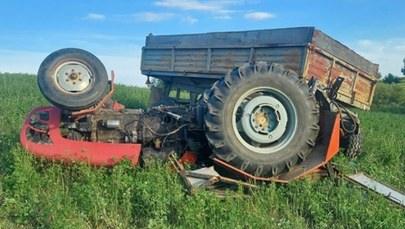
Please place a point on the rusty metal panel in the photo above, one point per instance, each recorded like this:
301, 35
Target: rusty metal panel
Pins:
362, 89
291, 57
156, 59
337, 49
224, 59
349, 75
319, 67
190, 60
357, 88
238, 39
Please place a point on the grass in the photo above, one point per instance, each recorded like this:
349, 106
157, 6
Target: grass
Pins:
39, 194
390, 98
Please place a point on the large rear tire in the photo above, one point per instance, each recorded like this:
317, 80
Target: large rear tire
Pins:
261, 119
72, 79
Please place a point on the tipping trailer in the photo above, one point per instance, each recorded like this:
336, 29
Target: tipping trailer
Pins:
265, 104
196, 61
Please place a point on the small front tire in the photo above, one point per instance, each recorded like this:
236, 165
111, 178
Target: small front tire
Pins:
72, 79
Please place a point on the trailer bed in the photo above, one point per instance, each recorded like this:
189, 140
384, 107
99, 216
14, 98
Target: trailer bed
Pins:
200, 59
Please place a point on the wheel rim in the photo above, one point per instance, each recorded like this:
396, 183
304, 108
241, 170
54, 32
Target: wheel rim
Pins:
73, 77
264, 120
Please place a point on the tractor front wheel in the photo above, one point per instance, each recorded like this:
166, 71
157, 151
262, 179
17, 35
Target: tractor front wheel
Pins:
72, 79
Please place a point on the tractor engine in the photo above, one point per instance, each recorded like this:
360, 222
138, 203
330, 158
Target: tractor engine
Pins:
160, 131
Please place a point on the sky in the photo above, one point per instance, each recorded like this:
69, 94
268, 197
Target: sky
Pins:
115, 30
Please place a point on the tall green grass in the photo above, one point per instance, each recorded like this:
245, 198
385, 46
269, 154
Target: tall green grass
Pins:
39, 194
389, 98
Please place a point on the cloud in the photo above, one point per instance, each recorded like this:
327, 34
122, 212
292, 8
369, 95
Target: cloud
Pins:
190, 5
220, 9
95, 17
259, 16
387, 53
153, 17
189, 20
223, 17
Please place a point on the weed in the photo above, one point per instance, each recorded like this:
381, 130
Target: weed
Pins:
41, 194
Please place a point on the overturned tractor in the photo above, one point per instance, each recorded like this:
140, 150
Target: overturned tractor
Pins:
266, 104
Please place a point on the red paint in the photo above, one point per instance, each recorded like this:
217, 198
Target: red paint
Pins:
117, 106
333, 147
62, 149
188, 158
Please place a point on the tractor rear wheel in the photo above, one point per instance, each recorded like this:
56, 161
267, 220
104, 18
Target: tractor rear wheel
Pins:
261, 119
72, 79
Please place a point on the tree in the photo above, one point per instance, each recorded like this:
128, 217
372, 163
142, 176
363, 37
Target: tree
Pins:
403, 69
390, 78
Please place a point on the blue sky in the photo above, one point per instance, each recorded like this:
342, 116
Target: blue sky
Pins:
115, 30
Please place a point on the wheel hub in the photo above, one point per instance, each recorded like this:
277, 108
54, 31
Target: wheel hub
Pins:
73, 77
264, 119
260, 119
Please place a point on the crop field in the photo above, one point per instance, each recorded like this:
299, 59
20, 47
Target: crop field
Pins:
40, 194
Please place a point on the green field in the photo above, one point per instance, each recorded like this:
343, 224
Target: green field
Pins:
39, 194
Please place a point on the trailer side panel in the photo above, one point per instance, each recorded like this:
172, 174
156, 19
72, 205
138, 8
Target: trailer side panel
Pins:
201, 59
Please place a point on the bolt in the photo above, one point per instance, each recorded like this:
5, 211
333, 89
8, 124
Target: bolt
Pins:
277, 106
270, 136
73, 76
67, 80
79, 73
74, 82
66, 73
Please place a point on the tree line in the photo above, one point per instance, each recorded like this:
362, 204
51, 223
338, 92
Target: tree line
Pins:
391, 78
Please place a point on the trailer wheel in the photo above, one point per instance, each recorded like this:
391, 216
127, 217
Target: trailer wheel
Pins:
72, 79
351, 144
261, 119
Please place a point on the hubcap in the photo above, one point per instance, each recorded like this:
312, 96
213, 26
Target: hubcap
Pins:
264, 120
73, 77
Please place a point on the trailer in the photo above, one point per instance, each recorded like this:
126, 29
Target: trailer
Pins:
195, 61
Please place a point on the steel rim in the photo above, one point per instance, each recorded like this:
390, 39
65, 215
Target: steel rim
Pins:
264, 120
73, 77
